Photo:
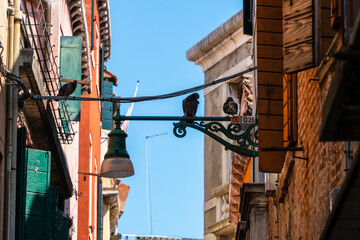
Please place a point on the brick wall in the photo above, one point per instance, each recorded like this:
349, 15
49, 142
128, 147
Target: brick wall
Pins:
302, 202
237, 172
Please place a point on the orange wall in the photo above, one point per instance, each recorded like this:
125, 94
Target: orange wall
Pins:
89, 126
247, 175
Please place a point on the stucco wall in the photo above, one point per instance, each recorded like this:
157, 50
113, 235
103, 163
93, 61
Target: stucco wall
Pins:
228, 62
213, 107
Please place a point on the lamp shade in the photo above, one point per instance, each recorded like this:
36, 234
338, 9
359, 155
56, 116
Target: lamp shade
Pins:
117, 162
117, 167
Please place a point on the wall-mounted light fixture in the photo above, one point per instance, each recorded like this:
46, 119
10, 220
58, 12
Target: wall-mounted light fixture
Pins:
117, 163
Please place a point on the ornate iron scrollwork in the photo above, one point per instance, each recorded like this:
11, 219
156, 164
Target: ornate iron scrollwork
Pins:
244, 135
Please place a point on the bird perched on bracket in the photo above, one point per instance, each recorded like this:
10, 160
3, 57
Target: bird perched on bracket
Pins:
230, 107
67, 89
190, 104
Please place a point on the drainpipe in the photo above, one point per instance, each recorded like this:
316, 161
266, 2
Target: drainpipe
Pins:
9, 219
11, 121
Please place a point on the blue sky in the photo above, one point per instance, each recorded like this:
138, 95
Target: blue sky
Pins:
149, 42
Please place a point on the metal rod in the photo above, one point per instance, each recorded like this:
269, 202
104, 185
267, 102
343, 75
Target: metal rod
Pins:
39, 97
269, 149
172, 118
148, 174
88, 173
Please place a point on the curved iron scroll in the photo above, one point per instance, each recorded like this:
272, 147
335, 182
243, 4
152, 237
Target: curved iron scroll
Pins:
244, 137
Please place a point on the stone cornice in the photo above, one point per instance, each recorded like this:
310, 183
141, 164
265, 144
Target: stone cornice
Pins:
78, 21
219, 43
105, 27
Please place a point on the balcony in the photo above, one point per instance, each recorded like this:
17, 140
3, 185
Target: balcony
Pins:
219, 206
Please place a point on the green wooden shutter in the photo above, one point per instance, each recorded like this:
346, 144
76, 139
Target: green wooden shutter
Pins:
37, 185
51, 208
37, 212
21, 183
106, 90
107, 107
70, 68
100, 211
56, 222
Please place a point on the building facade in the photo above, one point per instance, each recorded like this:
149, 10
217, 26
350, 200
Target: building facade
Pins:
307, 127
305, 95
225, 51
50, 151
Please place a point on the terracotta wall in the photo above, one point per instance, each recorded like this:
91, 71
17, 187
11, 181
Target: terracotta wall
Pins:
89, 150
302, 202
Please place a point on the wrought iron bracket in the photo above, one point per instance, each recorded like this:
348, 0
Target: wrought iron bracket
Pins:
244, 135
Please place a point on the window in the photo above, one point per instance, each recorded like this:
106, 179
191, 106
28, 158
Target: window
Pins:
307, 33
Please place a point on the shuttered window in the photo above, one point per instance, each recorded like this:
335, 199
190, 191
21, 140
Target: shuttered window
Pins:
324, 34
70, 68
106, 90
298, 35
290, 109
37, 212
335, 14
291, 36
307, 33
33, 178
269, 51
107, 107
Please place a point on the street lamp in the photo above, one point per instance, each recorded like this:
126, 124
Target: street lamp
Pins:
117, 163
242, 131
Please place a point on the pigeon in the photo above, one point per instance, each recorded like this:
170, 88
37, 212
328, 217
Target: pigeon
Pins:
67, 89
230, 106
190, 104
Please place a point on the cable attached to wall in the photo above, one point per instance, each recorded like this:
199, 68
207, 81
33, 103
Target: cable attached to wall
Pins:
16, 79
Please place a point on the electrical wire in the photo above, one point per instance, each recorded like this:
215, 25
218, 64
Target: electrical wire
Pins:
146, 98
13, 77
186, 91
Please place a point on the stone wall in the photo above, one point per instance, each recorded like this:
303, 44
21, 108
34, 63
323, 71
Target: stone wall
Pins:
302, 202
